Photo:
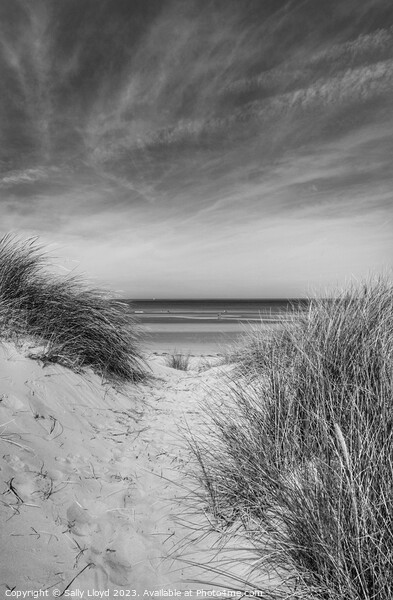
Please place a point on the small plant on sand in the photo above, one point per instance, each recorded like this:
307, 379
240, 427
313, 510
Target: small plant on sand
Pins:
302, 456
179, 361
76, 325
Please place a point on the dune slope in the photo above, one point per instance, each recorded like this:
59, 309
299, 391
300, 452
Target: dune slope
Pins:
92, 480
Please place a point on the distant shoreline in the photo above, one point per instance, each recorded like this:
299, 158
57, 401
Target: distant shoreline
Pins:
213, 311
150, 319
199, 327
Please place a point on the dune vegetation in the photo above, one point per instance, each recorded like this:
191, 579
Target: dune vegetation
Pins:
70, 322
178, 360
299, 454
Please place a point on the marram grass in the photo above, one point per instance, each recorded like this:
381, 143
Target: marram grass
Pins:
300, 449
177, 360
76, 325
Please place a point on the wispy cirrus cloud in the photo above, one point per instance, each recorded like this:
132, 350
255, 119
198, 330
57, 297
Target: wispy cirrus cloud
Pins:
157, 133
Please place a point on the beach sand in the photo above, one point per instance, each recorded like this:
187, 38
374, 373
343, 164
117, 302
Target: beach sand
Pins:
93, 484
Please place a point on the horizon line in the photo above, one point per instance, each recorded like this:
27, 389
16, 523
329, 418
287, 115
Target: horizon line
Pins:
218, 299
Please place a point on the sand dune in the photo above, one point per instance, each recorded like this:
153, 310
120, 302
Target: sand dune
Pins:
92, 481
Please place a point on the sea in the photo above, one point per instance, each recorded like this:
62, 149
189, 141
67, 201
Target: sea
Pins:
206, 326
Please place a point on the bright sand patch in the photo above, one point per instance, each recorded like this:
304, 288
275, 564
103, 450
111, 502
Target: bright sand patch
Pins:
91, 481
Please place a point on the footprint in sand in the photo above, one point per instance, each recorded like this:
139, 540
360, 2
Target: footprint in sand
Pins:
79, 519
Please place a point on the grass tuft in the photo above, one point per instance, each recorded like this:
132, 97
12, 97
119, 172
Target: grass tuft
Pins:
179, 361
78, 326
300, 455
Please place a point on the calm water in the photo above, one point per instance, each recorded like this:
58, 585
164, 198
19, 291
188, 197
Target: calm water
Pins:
205, 326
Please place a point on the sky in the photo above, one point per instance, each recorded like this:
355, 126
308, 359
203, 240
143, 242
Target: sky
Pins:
201, 148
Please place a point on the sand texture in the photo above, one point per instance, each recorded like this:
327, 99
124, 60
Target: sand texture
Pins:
92, 480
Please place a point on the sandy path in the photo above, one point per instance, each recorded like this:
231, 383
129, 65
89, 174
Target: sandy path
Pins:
92, 480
